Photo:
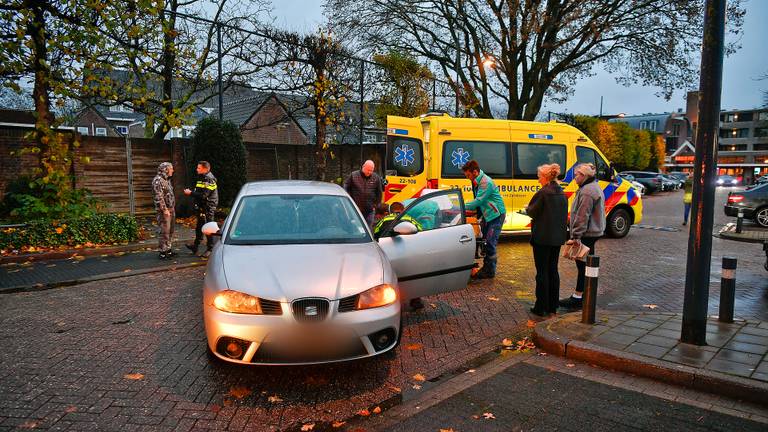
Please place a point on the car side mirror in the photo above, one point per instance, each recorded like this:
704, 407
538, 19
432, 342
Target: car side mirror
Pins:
405, 228
211, 229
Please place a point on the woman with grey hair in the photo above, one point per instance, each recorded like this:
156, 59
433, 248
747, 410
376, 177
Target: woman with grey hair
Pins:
587, 223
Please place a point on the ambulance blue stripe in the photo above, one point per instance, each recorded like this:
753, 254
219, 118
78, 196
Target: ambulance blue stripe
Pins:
630, 194
609, 190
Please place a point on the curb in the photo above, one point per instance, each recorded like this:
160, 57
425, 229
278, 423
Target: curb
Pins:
106, 276
687, 376
67, 253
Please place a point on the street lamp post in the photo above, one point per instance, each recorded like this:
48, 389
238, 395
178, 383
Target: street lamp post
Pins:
696, 300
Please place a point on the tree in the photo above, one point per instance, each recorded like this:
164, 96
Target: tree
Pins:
406, 85
643, 153
625, 141
319, 68
220, 143
658, 152
520, 52
164, 64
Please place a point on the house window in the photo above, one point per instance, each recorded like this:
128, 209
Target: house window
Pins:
675, 129
653, 124
82, 130
730, 118
762, 116
100, 131
122, 129
114, 108
643, 124
761, 132
121, 108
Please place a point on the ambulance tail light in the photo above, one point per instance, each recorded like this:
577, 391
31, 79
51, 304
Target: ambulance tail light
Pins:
432, 183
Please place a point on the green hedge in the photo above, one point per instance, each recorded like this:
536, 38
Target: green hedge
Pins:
96, 229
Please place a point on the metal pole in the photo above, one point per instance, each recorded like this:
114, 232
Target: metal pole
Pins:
727, 290
590, 289
219, 55
434, 91
129, 167
601, 107
694, 329
740, 221
362, 109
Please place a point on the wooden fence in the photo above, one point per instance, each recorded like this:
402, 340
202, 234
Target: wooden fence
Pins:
120, 170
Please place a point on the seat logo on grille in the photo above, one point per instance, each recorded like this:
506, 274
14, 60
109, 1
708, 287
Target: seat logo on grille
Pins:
310, 310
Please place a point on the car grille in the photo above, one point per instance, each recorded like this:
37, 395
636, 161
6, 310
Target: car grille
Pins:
348, 304
270, 307
310, 310
271, 352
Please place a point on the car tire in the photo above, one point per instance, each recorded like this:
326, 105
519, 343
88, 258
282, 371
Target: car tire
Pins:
618, 223
761, 217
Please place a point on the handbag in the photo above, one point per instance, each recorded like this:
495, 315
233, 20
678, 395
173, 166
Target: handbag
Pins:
571, 251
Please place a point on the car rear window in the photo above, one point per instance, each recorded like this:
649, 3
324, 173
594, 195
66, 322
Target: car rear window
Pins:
296, 219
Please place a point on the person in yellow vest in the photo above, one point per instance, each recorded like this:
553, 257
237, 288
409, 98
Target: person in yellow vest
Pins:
394, 211
687, 199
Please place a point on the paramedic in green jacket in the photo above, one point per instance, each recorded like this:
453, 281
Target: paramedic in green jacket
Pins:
489, 204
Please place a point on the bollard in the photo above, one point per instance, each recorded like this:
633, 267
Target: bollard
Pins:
589, 304
739, 221
727, 290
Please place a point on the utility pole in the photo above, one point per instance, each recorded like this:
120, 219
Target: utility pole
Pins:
601, 107
362, 109
219, 55
696, 300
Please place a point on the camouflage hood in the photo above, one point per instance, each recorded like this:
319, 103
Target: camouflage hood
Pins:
162, 169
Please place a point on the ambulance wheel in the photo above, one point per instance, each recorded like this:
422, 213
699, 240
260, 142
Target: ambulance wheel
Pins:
618, 223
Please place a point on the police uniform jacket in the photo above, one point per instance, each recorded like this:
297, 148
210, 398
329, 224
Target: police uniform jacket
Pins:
206, 193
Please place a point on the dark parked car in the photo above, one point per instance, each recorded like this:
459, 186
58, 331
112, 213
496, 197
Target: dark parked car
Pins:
671, 182
651, 180
679, 175
754, 203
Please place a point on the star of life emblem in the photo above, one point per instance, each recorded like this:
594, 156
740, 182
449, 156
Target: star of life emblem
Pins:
404, 155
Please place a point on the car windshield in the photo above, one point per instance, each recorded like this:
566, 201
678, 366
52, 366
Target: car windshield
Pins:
296, 219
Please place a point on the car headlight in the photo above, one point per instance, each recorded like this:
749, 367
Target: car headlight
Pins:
720, 181
734, 181
380, 295
237, 302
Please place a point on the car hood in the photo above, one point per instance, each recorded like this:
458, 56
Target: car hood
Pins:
288, 272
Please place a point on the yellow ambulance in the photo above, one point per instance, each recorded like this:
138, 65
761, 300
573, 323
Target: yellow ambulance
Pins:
428, 152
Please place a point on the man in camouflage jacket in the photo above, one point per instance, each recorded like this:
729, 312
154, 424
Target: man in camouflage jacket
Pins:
165, 205
206, 195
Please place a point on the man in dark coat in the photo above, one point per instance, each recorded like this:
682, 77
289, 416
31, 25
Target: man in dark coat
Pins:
206, 195
365, 188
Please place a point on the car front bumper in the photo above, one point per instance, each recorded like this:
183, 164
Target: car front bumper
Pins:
285, 340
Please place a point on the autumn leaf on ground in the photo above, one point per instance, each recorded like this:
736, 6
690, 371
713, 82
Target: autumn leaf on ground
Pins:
470, 371
416, 387
570, 365
488, 416
530, 324
492, 298
395, 389
307, 427
338, 424
239, 392
413, 347
133, 376
70, 409
274, 399
364, 413
215, 408
507, 342
377, 410
29, 424
127, 270
227, 402
433, 306
650, 306
419, 377
446, 430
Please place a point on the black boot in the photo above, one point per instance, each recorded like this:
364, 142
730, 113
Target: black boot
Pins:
192, 248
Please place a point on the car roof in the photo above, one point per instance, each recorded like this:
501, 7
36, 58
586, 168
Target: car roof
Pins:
292, 187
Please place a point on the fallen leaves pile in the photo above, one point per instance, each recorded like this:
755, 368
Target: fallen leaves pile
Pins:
523, 345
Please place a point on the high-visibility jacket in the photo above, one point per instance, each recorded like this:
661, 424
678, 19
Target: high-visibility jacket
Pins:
385, 222
206, 193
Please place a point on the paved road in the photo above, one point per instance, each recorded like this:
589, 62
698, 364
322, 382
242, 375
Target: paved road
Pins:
129, 354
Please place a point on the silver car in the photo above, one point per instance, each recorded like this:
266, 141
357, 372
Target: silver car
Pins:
298, 278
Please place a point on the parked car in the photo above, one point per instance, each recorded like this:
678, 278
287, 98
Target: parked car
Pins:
671, 183
754, 203
682, 176
726, 180
763, 179
635, 184
298, 278
651, 180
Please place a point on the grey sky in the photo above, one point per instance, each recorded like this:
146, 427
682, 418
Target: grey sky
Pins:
741, 89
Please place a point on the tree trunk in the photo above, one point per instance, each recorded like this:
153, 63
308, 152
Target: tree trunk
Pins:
169, 63
41, 91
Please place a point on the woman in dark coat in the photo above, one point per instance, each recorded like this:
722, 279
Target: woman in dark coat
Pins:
548, 210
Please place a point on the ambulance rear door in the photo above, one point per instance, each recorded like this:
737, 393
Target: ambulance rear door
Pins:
406, 159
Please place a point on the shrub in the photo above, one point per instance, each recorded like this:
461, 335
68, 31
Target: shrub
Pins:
220, 143
95, 228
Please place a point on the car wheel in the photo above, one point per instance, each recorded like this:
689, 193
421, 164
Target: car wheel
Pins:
618, 223
761, 217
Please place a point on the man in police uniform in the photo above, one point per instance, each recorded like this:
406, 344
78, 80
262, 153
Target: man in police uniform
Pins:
206, 197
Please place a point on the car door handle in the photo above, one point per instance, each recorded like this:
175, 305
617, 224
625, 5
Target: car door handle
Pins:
465, 239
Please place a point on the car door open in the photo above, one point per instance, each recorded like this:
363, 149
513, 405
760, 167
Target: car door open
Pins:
440, 256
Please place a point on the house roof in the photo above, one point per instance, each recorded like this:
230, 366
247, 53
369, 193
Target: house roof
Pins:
686, 145
634, 121
17, 116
